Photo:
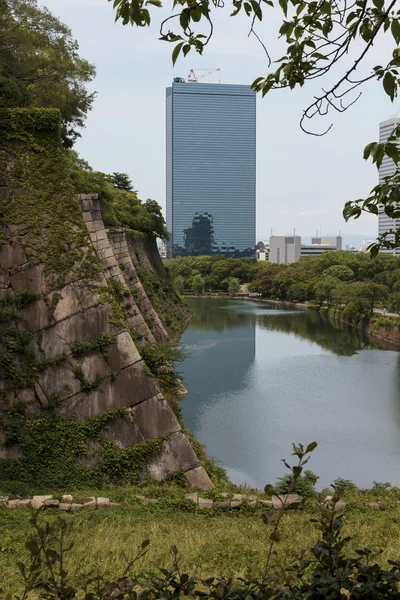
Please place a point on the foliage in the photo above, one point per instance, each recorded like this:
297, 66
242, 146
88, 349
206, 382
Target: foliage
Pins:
197, 284
101, 343
55, 451
327, 570
322, 39
233, 285
40, 65
160, 360
120, 204
304, 485
121, 181
353, 283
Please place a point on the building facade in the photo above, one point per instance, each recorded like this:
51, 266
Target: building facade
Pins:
211, 169
289, 249
387, 168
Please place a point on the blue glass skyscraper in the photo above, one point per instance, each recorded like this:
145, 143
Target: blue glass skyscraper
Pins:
211, 169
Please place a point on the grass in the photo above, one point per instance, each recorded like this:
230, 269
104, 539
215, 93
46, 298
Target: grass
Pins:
211, 543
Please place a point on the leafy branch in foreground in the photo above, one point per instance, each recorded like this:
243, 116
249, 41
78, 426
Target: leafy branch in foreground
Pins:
322, 38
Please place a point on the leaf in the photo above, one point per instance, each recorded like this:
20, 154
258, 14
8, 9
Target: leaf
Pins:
311, 447
379, 3
395, 29
257, 9
176, 51
389, 85
368, 150
145, 543
283, 5
275, 536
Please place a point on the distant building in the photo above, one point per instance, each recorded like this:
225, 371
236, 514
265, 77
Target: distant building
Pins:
163, 251
284, 249
289, 249
387, 168
211, 169
321, 244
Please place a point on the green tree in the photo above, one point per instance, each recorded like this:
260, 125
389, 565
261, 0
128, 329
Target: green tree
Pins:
121, 181
341, 272
233, 286
179, 284
40, 65
198, 284
324, 289
329, 40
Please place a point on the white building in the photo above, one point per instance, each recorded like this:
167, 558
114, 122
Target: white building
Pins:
289, 249
321, 244
387, 168
284, 249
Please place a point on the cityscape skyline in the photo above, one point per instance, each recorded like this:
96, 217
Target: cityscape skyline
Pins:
303, 180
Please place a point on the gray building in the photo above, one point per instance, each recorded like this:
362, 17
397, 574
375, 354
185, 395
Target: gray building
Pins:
387, 168
289, 249
211, 169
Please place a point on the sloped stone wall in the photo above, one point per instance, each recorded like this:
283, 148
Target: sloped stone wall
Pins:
67, 339
118, 243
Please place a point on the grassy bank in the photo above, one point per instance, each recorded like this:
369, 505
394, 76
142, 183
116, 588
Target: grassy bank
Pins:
211, 543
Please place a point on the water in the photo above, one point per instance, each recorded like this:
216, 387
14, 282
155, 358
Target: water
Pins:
261, 377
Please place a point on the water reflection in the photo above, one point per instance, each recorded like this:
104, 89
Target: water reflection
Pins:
260, 377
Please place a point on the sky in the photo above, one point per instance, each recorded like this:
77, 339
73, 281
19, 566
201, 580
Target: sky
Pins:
303, 181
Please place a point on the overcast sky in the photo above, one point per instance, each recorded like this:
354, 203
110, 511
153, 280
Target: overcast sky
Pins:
302, 181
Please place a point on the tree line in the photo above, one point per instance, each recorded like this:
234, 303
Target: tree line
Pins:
351, 281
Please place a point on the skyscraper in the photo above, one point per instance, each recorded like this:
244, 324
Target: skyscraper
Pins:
211, 169
388, 167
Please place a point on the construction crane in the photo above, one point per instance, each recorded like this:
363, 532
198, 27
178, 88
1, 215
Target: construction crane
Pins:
194, 78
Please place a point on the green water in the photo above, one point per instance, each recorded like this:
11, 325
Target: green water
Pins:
261, 377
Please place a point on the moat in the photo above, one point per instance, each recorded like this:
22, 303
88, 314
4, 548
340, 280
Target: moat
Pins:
260, 377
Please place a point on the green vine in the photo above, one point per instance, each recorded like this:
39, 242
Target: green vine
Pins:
100, 342
55, 451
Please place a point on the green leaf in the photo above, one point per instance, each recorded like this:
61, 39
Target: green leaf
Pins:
389, 85
311, 447
379, 3
395, 29
257, 9
184, 18
186, 49
176, 51
275, 536
283, 5
368, 150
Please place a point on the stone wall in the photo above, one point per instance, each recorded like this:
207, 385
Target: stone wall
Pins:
70, 336
118, 243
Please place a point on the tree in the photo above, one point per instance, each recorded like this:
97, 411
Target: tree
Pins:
324, 288
121, 181
340, 272
179, 284
233, 286
40, 65
328, 40
197, 285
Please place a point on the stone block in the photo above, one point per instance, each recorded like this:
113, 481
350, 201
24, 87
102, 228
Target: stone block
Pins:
67, 498
122, 432
93, 236
122, 352
75, 507
92, 364
176, 453
94, 226
154, 417
194, 497
29, 279
109, 262
94, 321
205, 503
11, 256
18, 503
135, 321
340, 505
87, 296
86, 205
38, 501
65, 506
60, 380
102, 502
374, 505
130, 387
278, 501
235, 504
102, 235
51, 503
91, 504
198, 477
102, 243
67, 305
222, 504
